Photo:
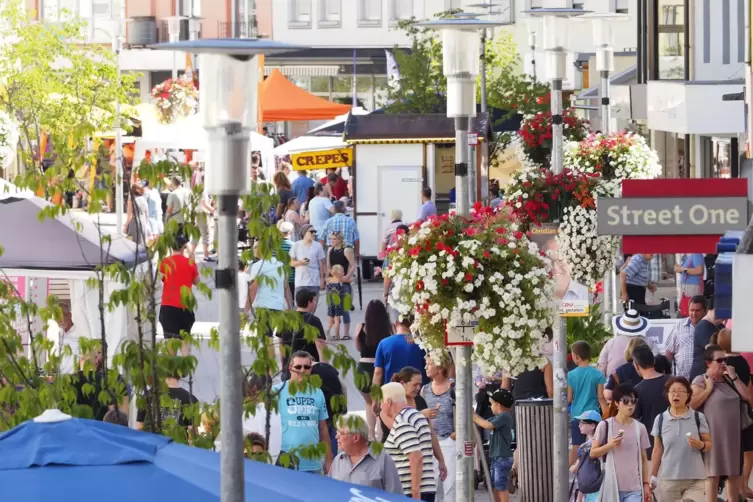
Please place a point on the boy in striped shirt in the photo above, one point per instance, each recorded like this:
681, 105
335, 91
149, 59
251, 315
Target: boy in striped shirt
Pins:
409, 443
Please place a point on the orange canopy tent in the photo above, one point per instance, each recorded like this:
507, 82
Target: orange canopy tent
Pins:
282, 100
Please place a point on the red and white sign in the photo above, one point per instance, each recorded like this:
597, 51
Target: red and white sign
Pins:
696, 187
468, 449
460, 334
472, 139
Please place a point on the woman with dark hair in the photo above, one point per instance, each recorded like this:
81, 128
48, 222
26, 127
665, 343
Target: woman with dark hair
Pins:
623, 442
284, 191
742, 369
375, 328
681, 437
718, 394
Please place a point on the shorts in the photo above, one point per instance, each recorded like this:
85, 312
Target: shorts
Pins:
175, 320
747, 439
576, 438
368, 370
500, 472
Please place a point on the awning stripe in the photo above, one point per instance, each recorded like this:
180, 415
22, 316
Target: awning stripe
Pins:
304, 70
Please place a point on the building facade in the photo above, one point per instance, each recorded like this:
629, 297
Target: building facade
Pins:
147, 24
692, 55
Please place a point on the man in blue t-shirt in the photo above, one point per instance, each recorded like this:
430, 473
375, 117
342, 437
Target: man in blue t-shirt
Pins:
397, 352
301, 186
303, 417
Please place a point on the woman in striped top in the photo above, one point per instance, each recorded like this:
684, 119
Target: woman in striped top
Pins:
409, 443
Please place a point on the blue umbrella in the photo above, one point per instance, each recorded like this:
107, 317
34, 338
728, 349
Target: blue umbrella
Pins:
56, 457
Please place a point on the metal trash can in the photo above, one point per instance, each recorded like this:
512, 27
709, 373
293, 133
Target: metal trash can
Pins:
534, 421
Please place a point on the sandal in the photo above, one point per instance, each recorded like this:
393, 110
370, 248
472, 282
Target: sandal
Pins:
346, 337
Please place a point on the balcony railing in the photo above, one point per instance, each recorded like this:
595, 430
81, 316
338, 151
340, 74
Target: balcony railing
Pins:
248, 29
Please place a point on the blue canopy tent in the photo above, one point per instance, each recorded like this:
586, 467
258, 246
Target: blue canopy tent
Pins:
59, 458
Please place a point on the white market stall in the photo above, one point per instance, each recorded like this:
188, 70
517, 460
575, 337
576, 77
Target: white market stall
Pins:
394, 157
65, 249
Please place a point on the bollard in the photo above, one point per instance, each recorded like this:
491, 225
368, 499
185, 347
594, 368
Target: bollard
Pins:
533, 434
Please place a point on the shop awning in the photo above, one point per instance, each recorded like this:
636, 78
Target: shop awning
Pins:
283, 100
409, 128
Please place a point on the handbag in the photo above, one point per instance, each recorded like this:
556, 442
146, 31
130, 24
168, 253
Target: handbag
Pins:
611, 410
745, 417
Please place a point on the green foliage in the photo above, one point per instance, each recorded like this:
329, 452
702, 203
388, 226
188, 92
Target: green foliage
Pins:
71, 102
590, 329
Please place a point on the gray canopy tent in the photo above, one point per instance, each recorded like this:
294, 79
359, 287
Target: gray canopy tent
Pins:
66, 249
62, 243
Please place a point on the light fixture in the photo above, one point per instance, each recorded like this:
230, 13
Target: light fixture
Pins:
461, 51
555, 30
604, 32
173, 27
228, 100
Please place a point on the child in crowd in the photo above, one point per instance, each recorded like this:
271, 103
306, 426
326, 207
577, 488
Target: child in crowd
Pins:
585, 391
256, 446
335, 298
500, 449
587, 426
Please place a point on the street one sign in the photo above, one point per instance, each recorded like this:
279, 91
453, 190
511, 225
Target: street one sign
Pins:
460, 334
687, 237
672, 216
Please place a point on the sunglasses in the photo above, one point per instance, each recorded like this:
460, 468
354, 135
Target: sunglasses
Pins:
299, 367
628, 400
720, 360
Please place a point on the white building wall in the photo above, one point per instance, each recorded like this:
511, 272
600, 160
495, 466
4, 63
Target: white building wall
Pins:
348, 23
718, 39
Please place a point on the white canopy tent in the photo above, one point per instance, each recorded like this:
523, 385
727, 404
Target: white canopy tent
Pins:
187, 133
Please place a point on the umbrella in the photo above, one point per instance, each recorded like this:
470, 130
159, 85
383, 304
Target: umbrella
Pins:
56, 457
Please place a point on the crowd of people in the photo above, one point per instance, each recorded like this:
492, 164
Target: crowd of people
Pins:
675, 426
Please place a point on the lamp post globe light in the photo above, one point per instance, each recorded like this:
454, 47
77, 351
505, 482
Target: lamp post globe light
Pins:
555, 31
603, 35
173, 33
461, 39
228, 94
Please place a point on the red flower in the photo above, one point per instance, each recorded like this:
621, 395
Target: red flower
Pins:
445, 282
468, 277
415, 251
518, 235
419, 285
487, 254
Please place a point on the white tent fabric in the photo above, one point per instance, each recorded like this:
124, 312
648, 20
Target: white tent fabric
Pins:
338, 120
308, 144
187, 133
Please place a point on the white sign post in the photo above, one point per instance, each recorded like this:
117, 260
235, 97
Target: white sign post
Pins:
460, 334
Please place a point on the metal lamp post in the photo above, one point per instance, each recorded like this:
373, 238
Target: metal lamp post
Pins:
532, 27
460, 57
555, 43
173, 31
117, 47
228, 98
603, 31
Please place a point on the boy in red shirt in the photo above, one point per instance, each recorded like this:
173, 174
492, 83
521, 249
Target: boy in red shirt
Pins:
178, 272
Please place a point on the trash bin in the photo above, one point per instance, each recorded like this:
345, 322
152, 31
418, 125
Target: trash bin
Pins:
534, 419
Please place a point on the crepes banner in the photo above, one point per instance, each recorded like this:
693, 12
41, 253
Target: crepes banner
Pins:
322, 159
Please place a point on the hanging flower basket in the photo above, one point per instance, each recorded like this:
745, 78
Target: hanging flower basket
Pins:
175, 98
536, 135
8, 139
536, 196
614, 158
451, 269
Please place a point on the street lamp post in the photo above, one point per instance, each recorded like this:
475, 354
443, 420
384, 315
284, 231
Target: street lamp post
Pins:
555, 23
173, 31
228, 94
603, 31
117, 45
460, 57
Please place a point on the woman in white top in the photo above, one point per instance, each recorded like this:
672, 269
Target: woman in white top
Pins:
137, 226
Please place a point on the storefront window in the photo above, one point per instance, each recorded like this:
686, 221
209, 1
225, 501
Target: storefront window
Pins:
722, 160
671, 39
342, 83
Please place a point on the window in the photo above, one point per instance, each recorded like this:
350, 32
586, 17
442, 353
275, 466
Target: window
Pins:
401, 10
300, 14
670, 43
53, 10
370, 12
329, 13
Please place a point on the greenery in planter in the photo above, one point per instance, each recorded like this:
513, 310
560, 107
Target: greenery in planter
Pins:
590, 329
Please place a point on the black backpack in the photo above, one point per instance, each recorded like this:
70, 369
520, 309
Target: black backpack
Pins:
590, 473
